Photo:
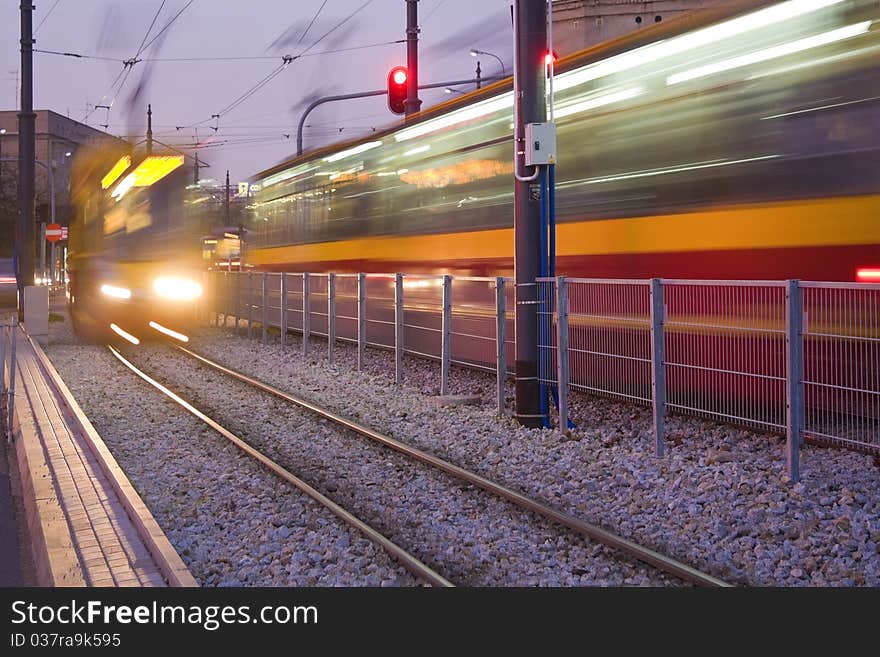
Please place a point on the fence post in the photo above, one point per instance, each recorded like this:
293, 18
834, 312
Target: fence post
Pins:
250, 304
362, 318
500, 341
10, 397
446, 335
264, 306
205, 302
227, 299
398, 328
282, 302
306, 312
239, 294
331, 315
562, 354
658, 365
3, 361
794, 377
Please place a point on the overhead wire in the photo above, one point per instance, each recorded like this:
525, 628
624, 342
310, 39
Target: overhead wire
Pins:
309, 26
45, 18
286, 60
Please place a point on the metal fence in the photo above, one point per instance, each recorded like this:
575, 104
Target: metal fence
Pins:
791, 357
451, 320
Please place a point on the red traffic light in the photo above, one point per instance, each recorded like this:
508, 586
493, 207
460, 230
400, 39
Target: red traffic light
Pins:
397, 89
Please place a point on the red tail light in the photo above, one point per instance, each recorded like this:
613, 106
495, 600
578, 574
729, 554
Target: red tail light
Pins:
868, 274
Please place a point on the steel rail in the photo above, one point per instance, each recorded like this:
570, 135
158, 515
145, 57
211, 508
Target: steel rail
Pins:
408, 561
631, 548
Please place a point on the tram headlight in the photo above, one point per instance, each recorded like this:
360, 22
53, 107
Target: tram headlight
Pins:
175, 288
116, 292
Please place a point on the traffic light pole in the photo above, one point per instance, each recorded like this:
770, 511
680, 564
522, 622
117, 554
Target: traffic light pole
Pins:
24, 243
367, 94
413, 103
530, 34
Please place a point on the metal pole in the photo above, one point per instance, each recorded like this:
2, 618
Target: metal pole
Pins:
283, 311
42, 268
398, 328
331, 315
446, 339
412, 104
25, 247
479, 81
250, 304
794, 384
658, 364
500, 340
226, 210
264, 303
531, 38
562, 355
306, 312
362, 319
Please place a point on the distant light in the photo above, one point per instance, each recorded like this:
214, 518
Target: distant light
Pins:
868, 274
123, 334
549, 58
474, 52
116, 292
2, 131
175, 288
231, 236
68, 154
399, 76
169, 332
209, 242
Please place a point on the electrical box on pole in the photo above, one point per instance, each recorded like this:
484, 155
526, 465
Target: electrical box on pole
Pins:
540, 146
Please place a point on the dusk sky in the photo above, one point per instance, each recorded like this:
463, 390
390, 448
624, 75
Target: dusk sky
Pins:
250, 136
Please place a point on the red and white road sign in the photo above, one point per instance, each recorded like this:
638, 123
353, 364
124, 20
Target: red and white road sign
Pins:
53, 232
64, 232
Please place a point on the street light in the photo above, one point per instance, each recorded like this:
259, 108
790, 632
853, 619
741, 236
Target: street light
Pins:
450, 90
475, 52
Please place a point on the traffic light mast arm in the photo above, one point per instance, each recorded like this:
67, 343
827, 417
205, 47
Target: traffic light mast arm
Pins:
366, 94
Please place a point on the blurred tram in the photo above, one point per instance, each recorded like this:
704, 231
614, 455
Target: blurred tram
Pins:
133, 263
737, 143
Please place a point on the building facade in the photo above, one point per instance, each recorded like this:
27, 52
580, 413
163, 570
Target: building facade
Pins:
58, 139
579, 24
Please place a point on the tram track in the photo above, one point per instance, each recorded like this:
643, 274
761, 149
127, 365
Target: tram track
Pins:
623, 545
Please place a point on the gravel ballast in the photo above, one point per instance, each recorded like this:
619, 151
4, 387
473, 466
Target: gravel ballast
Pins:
468, 535
719, 500
233, 523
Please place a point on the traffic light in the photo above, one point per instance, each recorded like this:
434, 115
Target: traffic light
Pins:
397, 89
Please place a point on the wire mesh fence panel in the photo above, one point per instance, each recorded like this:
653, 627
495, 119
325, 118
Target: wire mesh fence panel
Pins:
272, 300
841, 329
474, 323
346, 307
609, 337
547, 342
318, 286
379, 310
726, 350
422, 315
294, 302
